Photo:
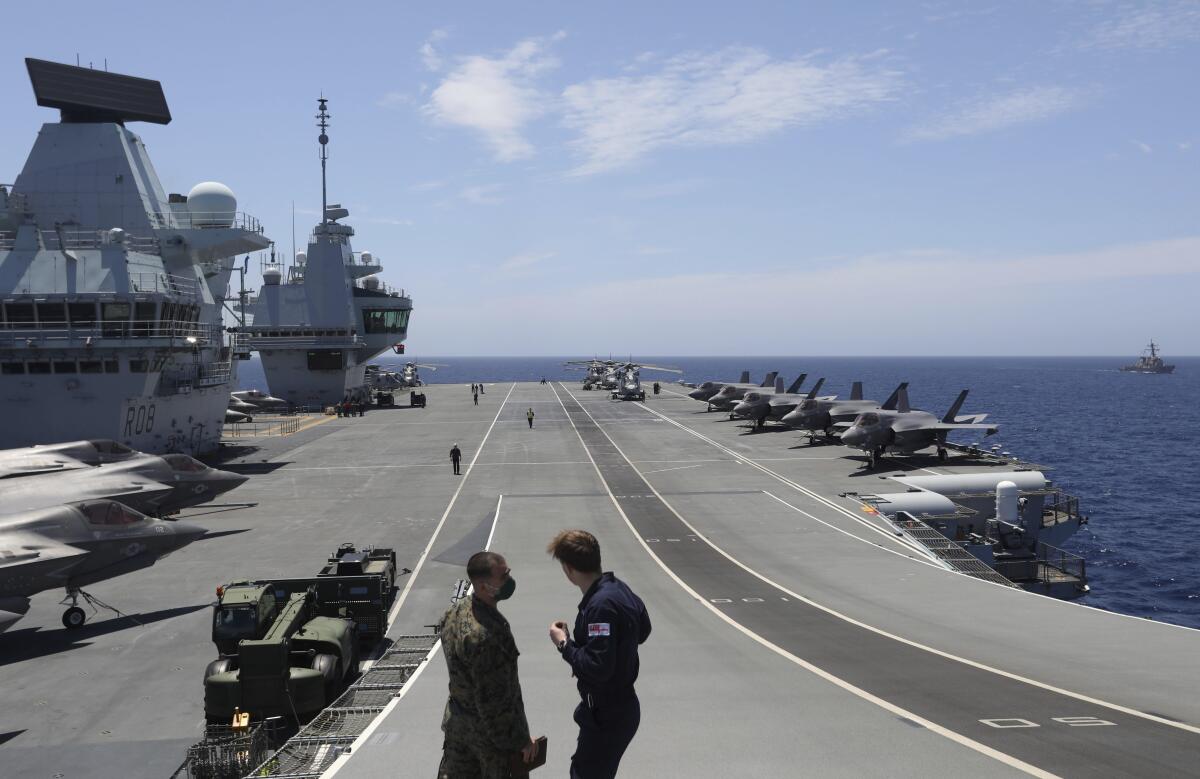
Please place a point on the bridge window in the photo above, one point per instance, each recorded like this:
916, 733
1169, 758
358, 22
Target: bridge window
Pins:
12, 368
143, 318
64, 366
38, 367
91, 366
82, 314
137, 366
115, 319
20, 315
385, 320
52, 314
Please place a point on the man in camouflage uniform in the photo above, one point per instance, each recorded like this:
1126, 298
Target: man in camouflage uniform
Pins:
484, 721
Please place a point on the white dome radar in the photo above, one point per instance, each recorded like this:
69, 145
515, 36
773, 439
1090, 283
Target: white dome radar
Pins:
212, 204
272, 273
370, 282
301, 258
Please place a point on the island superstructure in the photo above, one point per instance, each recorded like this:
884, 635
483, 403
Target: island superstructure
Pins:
111, 288
317, 330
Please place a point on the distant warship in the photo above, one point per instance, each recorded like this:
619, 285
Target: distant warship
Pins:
1149, 362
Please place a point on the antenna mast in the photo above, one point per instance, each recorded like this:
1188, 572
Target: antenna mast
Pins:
323, 139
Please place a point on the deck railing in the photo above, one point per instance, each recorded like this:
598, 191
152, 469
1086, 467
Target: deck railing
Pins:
177, 332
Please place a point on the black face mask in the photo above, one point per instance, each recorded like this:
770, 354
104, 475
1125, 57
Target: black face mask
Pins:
506, 590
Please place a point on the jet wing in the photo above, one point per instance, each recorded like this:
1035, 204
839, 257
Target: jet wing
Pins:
961, 426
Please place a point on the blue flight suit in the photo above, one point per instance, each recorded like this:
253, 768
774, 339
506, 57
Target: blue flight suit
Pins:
603, 654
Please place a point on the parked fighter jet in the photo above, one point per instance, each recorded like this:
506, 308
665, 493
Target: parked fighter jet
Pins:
78, 544
709, 388
818, 415
260, 400
629, 386
907, 430
239, 405
728, 396
761, 406
56, 458
144, 482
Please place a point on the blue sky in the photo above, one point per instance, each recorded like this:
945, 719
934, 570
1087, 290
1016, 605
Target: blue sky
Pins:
697, 178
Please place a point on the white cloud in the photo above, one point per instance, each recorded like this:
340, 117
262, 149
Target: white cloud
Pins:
522, 264
996, 112
430, 57
1151, 26
1144, 148
482, 194
735, 95
495, 96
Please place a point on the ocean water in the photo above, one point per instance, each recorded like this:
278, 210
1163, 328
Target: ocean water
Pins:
1121, 443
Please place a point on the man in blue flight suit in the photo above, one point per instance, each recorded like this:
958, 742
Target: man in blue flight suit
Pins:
603, 655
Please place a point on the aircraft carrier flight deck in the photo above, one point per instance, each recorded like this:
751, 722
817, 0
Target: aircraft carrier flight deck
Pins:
797, 631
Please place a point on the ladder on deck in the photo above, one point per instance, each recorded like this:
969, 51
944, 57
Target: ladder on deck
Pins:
947, 551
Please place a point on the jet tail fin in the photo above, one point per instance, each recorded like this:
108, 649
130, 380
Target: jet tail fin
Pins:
770, 379
856, 391
778, 385
812, 393
894, 398
955, 407
796, 384
745, 379
902, 399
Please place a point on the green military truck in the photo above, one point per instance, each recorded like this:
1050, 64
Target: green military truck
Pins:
287, 647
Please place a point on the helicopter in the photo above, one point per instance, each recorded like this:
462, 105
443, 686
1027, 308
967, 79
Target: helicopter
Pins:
599, 373
629, 384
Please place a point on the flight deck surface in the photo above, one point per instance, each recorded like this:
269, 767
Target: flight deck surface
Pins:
794, 634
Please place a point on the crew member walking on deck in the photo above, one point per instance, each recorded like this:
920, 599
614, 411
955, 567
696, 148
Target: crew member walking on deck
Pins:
602, 653
455, 457
476, 397
484, 721
529, 417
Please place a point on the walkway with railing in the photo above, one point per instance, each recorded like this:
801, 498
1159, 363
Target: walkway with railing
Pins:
260, 429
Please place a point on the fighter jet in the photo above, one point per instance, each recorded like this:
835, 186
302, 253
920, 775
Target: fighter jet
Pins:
728, 396
56, 458
761, 406
239, 405
906, 430
707, 389
147, 483
820, 415
260, 400
75, 545
629, 386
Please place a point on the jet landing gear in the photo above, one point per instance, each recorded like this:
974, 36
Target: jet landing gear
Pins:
942, 454
876, 456
75, 617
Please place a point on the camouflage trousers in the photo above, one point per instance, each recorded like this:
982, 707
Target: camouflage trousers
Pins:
467, 760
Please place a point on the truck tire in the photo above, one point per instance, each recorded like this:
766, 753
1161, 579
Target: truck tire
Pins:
219, 666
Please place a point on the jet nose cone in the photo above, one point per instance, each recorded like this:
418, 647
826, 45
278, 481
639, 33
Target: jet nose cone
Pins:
696, 394
855, 436
224, 481
793, 418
